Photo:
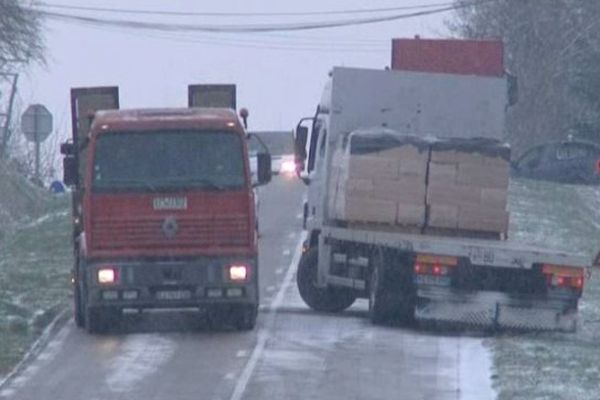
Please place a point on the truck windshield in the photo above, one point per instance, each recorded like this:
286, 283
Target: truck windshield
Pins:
168, 160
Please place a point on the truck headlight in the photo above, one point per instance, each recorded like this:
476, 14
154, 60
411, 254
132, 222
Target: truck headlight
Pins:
238, 273
108, 275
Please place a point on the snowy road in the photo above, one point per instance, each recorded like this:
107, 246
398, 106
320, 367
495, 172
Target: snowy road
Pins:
293, 354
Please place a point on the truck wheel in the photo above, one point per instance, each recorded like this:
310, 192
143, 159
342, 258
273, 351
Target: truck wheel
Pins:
246, 317
391, 297
101, 319
328, 299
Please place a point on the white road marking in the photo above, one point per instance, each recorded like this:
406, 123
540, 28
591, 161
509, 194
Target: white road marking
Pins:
242, 353
475, 371
299, 216
270, 288
292, 235
230, 376
287, 252
279, 271
265, 333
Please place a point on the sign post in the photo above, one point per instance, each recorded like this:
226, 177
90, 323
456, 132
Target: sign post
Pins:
36, 124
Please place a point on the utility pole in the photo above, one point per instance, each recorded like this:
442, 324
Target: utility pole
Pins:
8, 115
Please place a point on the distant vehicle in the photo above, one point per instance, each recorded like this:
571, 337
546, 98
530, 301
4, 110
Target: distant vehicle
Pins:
570, 161
280, 145
287, 166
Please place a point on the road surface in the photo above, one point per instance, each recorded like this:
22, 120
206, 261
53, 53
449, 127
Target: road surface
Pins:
293, 354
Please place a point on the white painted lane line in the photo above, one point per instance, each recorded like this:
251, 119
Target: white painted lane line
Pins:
265, 333
292, 235
300, 216
287, 252
270, 288
242, 353
279, 271
230, 376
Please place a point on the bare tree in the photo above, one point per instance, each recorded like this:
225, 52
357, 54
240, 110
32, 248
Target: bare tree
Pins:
21, 39
547, 43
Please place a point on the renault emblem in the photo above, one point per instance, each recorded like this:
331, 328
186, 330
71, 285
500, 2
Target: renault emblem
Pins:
170, 227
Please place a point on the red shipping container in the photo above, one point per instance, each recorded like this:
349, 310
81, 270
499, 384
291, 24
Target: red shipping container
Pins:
452, 56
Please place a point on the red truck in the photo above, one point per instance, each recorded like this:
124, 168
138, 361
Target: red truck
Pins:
163, 207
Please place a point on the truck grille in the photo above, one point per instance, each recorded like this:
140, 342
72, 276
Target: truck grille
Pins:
144, 233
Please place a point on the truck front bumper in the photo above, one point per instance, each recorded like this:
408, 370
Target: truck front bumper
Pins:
497, 310
193, 283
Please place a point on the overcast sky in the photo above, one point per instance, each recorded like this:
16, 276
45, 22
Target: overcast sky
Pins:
279, 84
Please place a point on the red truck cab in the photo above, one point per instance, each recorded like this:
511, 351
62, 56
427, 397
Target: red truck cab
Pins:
164, 215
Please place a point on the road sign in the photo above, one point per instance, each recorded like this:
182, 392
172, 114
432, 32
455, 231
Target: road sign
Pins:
36, 123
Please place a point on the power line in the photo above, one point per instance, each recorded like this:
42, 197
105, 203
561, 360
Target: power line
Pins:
237, 28
240, 14
257, 45
244, 42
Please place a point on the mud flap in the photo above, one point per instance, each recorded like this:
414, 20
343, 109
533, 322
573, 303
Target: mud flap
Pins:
495, 311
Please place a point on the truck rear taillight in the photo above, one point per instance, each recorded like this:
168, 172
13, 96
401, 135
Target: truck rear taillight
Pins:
434, 265
108, 275
238, 273
564, 277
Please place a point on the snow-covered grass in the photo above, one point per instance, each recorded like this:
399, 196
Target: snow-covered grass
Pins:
35, 263
552, 366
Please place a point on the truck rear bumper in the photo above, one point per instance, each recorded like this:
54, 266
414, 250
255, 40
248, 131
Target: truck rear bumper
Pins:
496, 310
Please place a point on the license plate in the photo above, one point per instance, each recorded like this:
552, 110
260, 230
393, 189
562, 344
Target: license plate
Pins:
432, 280
173, 295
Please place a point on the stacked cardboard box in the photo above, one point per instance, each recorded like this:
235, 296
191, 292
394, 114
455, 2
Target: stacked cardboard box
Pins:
381, 178
468, 185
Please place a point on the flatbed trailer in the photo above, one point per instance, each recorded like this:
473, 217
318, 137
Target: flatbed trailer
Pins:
507, 296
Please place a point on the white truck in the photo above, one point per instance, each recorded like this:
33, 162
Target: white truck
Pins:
409, 275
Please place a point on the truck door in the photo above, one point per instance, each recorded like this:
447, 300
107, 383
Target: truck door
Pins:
316, 172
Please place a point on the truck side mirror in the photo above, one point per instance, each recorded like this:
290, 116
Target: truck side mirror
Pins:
70, 174
263, 161
300, 144
67, 148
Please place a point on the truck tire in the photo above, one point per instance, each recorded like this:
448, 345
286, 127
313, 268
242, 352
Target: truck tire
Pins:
78, 305
246, 317
328, 299
101, 319
79, 295
391, 292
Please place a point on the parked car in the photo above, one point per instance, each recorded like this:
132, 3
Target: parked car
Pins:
570, 161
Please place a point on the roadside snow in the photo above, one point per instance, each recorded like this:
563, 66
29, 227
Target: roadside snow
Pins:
554, 366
